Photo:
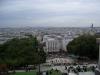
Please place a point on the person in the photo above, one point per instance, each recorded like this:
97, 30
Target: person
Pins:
92, 68
64, 74
44, 73
65, 67
50, 72
47, 73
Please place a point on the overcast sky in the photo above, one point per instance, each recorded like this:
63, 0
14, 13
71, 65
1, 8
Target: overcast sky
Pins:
60, 13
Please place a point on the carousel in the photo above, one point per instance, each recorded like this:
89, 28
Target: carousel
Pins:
59, 61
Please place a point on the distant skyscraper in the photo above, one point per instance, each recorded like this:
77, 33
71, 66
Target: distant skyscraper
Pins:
92, 26
92, 30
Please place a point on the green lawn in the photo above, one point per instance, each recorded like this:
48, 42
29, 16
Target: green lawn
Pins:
53, 72
25, 73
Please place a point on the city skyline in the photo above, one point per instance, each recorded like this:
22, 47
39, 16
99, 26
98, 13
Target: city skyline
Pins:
49, 13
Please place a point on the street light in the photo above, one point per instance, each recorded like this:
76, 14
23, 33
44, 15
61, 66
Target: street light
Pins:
39, 64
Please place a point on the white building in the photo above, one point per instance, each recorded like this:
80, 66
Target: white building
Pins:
51, 44
55, 43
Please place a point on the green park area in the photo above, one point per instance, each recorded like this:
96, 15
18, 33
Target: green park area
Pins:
53, 72
25, 73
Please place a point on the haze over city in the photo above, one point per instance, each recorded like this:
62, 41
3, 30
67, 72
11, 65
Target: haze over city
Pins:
49, 37
49, 13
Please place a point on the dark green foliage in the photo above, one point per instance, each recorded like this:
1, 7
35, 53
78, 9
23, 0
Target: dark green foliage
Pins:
24, 51
84, 45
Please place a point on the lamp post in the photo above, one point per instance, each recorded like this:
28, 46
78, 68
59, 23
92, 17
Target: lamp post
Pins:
39, 67
39, 60
97, 71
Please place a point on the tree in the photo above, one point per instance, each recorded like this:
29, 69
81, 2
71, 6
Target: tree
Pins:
24, 51
84, 45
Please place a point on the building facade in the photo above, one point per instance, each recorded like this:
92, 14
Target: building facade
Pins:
55, 43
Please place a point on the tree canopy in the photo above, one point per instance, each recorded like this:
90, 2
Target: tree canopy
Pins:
84, 45
24, 51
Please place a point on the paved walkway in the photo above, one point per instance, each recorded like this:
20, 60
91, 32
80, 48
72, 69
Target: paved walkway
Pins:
62, 69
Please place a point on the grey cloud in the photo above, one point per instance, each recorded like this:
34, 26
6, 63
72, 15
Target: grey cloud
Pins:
49, 12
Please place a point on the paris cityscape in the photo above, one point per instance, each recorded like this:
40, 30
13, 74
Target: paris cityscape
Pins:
49, 37
55, 41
